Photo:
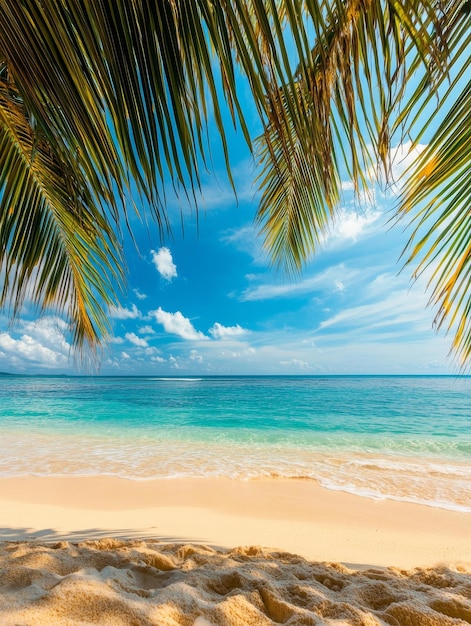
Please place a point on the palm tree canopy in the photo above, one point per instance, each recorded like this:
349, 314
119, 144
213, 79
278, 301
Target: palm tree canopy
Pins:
378, 72
99, 97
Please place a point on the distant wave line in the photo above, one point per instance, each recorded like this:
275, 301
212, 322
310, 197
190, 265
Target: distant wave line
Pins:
172, 378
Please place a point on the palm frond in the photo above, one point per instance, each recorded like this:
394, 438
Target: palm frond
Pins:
343, 94
112, 96
437, 195
298, 194
134, 83
355, 90
56, 247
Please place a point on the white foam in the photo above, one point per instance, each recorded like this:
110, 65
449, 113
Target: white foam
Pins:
432, 481
172, 379
376, 495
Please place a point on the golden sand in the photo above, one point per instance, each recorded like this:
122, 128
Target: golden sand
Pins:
144, 583
178, 566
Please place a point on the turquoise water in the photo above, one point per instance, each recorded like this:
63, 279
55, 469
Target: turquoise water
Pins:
403, 438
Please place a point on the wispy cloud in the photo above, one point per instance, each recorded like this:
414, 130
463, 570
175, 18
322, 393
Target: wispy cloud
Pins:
403, 156
246, 239
335, 278
352, 225
139, 295
400, 309
296, 364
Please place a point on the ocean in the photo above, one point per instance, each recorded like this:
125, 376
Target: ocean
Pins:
402, 438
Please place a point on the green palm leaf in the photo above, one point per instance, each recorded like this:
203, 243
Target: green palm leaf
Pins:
438, 195
353, 89
56, 248
115, 95
347, 86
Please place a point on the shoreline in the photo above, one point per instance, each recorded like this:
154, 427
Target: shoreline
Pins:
295, 516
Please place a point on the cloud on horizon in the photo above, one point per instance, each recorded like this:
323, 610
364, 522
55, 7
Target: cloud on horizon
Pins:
41, 343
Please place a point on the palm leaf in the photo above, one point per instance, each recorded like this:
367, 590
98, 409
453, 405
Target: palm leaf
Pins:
437, 194
56, 247
150, 72
99, 98
354, 88
344, 89
115, 96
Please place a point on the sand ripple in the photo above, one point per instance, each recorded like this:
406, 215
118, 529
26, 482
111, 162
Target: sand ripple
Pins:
147, 583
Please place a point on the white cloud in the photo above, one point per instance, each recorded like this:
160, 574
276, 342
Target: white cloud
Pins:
195, 356
174, 363
347, 185
403, 156
41, 343
146, 330
137, 341
353, 224
348, 226
149, 351
139, 294
31, 350
49, 331
218, 331
164, 264
177, 324
116, 340
125, 355
120, 313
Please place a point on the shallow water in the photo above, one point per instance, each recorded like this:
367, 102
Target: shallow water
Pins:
403, 438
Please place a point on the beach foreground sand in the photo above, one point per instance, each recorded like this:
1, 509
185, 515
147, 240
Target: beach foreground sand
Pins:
103, 550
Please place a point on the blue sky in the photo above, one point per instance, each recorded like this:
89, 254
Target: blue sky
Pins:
208, 301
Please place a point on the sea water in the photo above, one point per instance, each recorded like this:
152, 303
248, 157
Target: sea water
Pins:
402, 438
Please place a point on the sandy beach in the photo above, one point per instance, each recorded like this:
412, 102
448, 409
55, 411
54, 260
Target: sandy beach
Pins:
220, 551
